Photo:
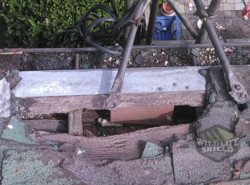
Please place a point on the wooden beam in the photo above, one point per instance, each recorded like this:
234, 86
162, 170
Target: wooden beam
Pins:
75, 123
120, 147
45, 92
29, 107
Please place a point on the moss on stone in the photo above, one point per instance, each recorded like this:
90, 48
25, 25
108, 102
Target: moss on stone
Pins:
17, 133
25, 168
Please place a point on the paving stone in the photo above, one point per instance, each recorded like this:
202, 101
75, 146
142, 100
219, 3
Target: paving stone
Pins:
4, 99
136, 172
243, 152
237, 182
221, 111
16, 131
25, 167
221, 114
191, 167
242, 128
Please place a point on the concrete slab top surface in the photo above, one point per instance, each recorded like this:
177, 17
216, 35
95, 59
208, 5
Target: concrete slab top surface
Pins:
99, 81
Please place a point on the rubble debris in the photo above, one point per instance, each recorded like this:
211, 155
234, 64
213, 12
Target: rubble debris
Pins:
152, 150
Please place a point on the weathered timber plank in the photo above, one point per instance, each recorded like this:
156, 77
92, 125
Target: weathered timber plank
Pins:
48, 125
45, 92
75, 123
123, 147
64, 91
48, 105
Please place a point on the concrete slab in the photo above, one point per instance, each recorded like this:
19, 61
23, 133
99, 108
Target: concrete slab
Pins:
99, 81
147, 172
191, 167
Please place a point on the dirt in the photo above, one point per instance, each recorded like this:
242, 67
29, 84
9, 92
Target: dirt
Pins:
139, 58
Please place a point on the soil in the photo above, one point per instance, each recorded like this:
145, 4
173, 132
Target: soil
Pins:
139, 58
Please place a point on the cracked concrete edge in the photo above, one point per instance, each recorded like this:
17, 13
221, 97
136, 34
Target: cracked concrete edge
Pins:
5, 98
1, 164
217, 97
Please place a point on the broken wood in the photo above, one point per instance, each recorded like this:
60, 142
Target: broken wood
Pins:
48, 125
120, 147
75, 123
29, 107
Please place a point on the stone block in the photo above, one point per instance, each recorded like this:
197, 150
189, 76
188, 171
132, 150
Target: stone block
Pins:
4, 99
237, 182
151, 171
191, 167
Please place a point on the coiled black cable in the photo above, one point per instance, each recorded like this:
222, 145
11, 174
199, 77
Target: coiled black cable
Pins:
100, 26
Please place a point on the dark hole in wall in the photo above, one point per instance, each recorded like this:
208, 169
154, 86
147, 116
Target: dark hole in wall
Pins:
58, 123
184, 114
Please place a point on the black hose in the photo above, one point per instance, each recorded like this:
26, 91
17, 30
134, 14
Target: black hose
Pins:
97, 30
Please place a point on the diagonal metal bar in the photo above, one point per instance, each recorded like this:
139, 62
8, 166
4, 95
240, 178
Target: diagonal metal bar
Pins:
214, 7
183, 19
211, 12
238, 91
114, 97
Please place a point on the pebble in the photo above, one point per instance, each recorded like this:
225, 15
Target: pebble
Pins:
10, 126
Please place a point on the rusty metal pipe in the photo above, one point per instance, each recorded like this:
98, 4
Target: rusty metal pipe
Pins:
114, 96
214, 7
238, 91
